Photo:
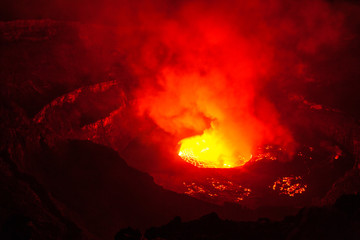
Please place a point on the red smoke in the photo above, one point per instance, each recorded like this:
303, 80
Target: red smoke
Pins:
204, 64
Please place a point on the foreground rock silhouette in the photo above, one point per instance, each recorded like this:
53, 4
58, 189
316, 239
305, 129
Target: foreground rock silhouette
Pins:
340, 221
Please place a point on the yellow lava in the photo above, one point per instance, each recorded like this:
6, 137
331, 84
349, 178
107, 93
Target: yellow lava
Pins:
210, 150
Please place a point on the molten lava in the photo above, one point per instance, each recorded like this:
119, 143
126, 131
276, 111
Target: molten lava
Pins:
217, 190
289, 186
211, 150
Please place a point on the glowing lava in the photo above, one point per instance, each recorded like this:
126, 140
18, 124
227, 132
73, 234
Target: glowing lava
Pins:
211, 150
289, 186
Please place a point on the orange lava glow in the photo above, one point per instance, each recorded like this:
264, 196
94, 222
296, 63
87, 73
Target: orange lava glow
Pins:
211, 150
289, 186
217, 190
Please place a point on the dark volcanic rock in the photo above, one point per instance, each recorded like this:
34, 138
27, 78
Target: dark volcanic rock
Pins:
128, 234
99, 190
310, 223
43, 59
26, 209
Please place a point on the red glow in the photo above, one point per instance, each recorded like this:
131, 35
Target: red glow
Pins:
210, 63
